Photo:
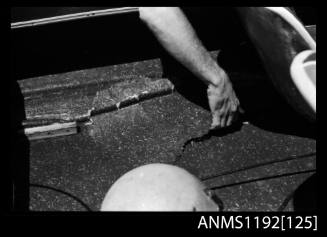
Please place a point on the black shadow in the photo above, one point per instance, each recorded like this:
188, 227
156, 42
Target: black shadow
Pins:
264, 106
19, 155
305, 196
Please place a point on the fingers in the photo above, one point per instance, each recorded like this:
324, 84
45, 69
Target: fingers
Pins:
230, 119
222, 121
224, 105
218, 121
225, 119
215, 121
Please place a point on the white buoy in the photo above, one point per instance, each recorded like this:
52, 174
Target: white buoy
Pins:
158, 187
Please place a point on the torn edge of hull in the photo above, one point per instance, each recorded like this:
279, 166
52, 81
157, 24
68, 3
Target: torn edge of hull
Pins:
54, 125
132, 100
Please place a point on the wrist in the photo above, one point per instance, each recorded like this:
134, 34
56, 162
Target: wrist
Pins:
219, 78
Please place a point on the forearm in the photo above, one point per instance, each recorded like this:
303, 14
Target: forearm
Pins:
178, 37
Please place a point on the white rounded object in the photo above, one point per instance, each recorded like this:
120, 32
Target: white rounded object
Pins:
158, 187
303, 72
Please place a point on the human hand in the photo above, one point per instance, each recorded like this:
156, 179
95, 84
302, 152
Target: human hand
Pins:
223, 102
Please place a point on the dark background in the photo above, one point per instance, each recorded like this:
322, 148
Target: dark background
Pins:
108, 40
96, 42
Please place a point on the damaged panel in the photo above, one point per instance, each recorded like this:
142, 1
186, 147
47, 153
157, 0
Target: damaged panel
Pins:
72, 96
77, 104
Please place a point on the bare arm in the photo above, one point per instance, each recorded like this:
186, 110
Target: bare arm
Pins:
178, 37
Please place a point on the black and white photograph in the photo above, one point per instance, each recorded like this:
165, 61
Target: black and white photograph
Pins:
165, 109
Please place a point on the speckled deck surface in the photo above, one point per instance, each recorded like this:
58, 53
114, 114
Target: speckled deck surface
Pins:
261, 166
87, 164
251, 168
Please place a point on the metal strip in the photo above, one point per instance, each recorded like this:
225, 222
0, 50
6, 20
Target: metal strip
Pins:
75, 16
50, 131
